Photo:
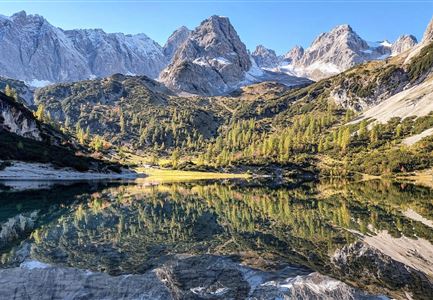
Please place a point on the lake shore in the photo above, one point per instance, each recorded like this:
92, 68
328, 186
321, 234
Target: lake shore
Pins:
18, 170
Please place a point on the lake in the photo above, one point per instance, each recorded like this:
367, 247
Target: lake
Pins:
226, 239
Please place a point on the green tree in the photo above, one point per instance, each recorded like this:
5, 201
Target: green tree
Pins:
345, 139
175, 155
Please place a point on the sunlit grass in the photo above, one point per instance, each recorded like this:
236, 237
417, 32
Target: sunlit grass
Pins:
164, 175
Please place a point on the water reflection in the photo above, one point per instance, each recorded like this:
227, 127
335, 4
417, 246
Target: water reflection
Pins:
132, 228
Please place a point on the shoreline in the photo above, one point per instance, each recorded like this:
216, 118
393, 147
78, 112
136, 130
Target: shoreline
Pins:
20, 171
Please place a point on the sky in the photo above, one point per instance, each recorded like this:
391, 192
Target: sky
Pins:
277, 24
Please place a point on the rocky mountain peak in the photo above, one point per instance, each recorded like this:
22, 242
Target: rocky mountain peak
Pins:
428, 34
211, 61
33, 50
217, 36
403, 43
333, 52
176, 39
294, 55
264, 57
342, 28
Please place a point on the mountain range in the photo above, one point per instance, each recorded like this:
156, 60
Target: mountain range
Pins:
209, 60
216, 103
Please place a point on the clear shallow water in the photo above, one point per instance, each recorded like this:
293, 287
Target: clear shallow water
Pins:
375, 235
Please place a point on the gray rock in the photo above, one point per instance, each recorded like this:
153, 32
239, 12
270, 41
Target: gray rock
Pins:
68, 283
33, 50
175, 41
212, 61
16, 119
183, 277
336, 51
294, 55
403, 43
265, 58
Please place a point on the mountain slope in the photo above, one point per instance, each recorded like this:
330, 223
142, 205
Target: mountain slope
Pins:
24, 138
132, 110
33, 50
210, 62
214, 61
336, 51
176, 39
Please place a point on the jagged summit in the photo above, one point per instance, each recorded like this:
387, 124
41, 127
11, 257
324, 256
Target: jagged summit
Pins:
403, 43
264, 57
33, 50
211, 61
331, 53
176, 39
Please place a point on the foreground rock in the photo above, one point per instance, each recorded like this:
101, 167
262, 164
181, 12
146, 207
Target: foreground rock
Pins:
184, 277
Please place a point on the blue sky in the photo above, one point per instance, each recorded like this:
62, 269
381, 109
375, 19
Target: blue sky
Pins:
278, 24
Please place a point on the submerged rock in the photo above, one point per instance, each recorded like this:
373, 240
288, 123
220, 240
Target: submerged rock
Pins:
183, 277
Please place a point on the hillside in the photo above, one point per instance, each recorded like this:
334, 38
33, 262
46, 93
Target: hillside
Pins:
25, 138
315, 128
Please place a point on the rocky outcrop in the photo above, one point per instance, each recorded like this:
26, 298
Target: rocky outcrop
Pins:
428, 33
212, 61
33, 50
264, 57
403, 44
183, 277
175, 41
16, 119
294, 55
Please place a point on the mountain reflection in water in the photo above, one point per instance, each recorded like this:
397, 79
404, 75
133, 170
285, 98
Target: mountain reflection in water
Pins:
373, 235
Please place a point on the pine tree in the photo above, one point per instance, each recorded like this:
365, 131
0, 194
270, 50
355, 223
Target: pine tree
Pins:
175, 155
362, 129
345, 139
374, 135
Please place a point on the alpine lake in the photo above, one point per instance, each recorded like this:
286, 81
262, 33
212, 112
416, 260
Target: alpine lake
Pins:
216, 239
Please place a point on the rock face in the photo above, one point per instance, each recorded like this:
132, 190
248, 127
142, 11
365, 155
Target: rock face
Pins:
403, 43
294, 55
265, 58
190, 277
428, 33
336, 51
16, 119
212, 61
175, 41
33, 50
